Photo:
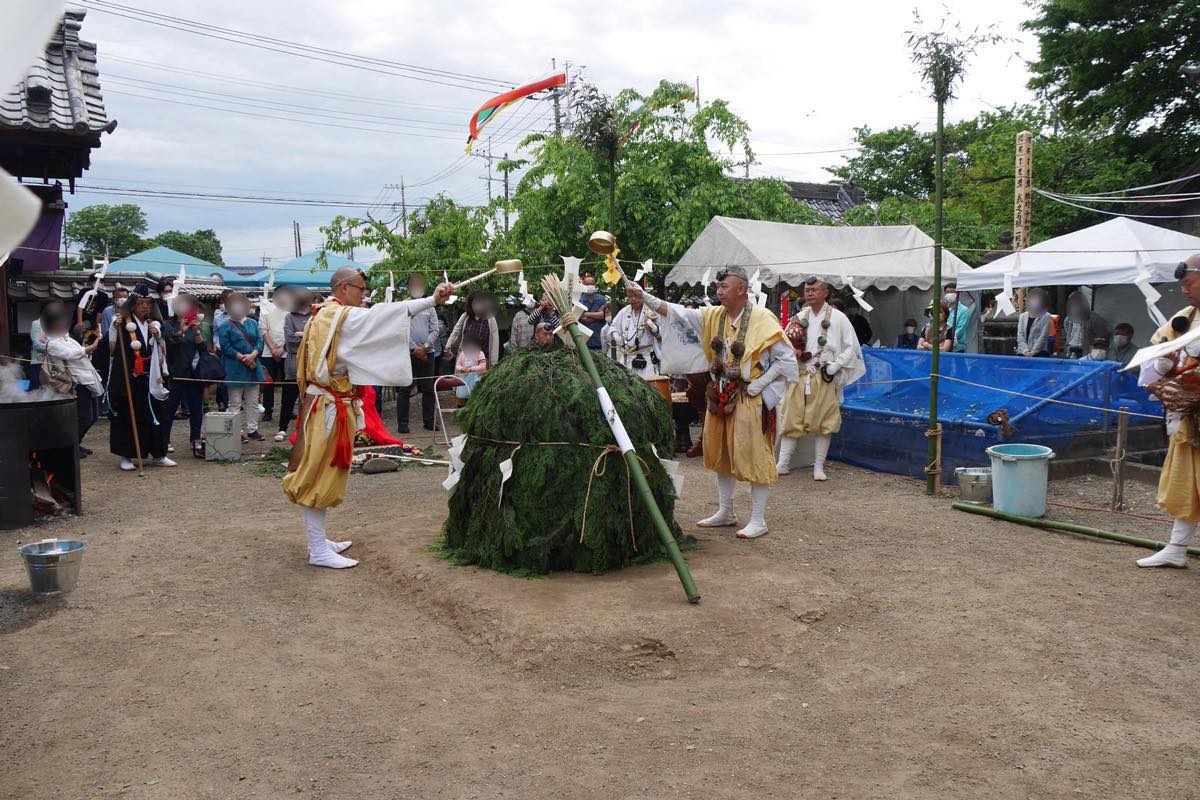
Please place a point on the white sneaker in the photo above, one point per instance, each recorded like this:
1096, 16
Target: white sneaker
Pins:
127, 465
819, 474
1173, 555
163, 462
170, 448
281, 436
724, 518
338, 547
753, 530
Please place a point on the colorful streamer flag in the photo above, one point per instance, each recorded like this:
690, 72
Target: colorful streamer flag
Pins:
488, 111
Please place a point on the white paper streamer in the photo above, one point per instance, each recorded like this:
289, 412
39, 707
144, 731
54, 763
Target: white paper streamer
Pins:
648, 265
706, 279
637, 276
390, 291
451, 480
1149, 292
571, 275
1004, 300
446, 277
506, 471
859, 297
672, 470
456, 447
613, 420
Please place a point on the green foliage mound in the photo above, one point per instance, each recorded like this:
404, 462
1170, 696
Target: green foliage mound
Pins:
536, 397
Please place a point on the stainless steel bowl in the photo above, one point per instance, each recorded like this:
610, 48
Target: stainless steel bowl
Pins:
52, 564
975, 485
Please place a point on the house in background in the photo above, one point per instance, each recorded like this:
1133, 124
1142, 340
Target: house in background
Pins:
831, 199
49, 124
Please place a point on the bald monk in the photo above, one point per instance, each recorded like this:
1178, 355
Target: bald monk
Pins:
343, 345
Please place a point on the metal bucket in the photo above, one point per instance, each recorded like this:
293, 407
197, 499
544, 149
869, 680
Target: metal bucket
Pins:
52, 564
975, 484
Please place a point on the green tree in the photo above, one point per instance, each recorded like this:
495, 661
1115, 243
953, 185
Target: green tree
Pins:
202, 244
97, 229
980, 155
1118, 65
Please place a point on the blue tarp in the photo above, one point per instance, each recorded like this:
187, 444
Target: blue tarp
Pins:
884, 422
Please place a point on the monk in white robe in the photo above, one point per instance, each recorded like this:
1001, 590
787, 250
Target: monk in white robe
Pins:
344, 345
830, 360
1179, 484
635, 336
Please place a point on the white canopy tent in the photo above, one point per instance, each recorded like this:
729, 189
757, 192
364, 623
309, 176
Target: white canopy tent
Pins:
891, 264
1124, 255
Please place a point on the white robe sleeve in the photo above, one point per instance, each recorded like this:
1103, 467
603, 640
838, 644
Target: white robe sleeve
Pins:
682, 350
782, 356
373, 347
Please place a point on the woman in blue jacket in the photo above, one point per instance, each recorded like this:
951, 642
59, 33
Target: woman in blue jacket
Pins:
241, 346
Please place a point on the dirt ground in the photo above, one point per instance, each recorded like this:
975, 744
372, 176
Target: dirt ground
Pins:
877, 644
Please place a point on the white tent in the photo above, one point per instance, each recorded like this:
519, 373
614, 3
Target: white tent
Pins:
1121, 250
892, 264
1122, 255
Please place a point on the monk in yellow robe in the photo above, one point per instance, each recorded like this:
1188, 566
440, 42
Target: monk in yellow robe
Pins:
751, 363
1179, 485
344, 345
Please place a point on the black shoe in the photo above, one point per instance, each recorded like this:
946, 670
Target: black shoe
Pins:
255, 435
404, 429
84, 451
266, 417
432, 427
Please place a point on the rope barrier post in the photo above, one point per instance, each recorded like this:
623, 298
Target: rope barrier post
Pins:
1118, 460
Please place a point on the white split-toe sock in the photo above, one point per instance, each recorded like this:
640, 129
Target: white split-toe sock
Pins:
757, 526
320, 553
338, 547
1175, 553
127, 465
724, 517
821, 449
787, 449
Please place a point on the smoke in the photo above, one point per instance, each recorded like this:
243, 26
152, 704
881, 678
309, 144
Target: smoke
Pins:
12, 390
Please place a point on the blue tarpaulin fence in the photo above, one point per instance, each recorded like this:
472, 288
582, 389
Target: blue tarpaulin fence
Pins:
886, 413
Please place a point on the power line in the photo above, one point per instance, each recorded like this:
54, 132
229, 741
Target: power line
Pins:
247, 39
1057, 199
230, 198
812, 152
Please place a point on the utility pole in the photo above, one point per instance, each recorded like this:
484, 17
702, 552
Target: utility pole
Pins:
403, 209
506, 171
296, 237
1022, 197
697, 91
488, 158
557, 109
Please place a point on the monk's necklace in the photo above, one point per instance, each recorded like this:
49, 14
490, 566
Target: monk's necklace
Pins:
731, 360
823, 339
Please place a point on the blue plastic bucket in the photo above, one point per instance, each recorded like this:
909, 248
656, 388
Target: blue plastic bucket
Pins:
1019, 475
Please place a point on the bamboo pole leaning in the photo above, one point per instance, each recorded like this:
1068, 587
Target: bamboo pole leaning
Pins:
1049, 524
554, 289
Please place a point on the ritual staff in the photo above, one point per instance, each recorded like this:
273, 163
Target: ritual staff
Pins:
343, 345
830, 360
1179, 484
751, 363
137, 387
634, 332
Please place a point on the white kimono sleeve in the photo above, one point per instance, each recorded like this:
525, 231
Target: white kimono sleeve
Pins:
373, 346
782, 358
682, 350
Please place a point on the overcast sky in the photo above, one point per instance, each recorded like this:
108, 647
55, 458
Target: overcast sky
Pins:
803, 75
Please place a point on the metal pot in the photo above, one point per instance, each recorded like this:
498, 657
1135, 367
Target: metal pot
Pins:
52, 564
975, 484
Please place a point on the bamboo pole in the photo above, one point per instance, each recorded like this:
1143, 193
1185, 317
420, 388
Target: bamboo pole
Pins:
554, 288
1049, 524
933, 454
1118, 462
137, 444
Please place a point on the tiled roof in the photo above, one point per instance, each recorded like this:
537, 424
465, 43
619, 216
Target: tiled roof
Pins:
66, 284
61, 92
831, 199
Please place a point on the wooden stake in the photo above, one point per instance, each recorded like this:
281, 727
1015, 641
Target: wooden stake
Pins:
1118, 461
1022, 197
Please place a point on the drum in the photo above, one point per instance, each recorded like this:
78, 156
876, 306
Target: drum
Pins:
662, 384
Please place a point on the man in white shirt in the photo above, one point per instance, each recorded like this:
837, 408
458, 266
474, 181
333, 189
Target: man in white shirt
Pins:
271, 317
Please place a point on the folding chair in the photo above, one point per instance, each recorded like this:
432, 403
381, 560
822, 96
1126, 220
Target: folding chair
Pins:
442, 384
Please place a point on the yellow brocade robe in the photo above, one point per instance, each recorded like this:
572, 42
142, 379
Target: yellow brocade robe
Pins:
736, 444
315, 482
1179, 485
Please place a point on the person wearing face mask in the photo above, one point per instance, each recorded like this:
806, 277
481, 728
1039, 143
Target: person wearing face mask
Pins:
521, 334
137, 382
1122, 348
271, 317
596, 305
908, 340
241, 347
423, 336
185, 342
958, 319
1081, 326
1033, 326
479, 320
1098, 351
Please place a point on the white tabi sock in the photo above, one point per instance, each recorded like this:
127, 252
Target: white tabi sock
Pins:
821, 450
1175, 553
338, 547
319, 552
757, 525
787, 449
724, 516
